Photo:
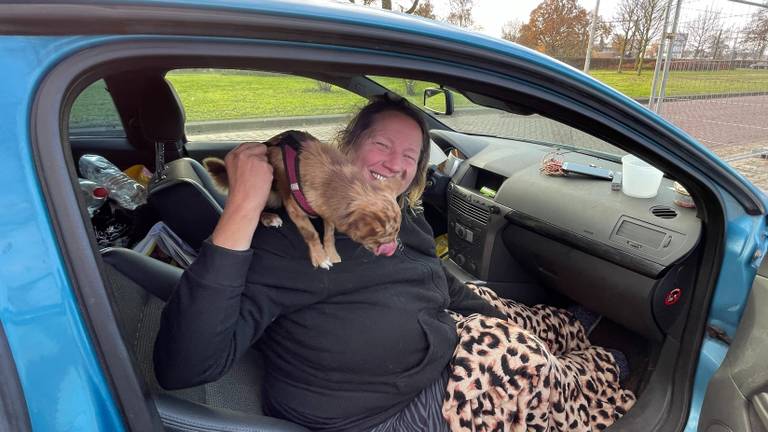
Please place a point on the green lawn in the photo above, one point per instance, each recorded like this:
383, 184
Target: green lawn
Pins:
686, 83
227, 96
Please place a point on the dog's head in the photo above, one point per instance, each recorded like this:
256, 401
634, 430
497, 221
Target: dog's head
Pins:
373, 218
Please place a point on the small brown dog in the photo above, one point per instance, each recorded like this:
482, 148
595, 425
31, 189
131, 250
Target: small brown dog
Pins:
332, 188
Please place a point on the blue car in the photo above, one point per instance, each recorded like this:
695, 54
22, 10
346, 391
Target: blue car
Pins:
679, 287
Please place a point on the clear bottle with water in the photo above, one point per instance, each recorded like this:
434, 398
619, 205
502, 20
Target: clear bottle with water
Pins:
127, 192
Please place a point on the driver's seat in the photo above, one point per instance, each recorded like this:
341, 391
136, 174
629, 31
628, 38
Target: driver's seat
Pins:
140, 286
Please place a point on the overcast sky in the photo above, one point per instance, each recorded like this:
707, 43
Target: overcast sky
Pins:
492, 14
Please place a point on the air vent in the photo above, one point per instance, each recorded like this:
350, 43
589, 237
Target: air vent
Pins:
467, 209
664, 212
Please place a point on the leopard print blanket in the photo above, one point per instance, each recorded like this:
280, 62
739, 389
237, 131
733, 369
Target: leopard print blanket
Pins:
535, 371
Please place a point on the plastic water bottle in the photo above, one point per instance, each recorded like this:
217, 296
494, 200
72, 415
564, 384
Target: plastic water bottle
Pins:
95, 195
126, 191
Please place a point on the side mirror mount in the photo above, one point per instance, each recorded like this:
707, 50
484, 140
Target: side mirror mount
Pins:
438, 100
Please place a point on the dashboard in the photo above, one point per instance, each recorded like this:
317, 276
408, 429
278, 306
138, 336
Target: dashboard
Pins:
576, 233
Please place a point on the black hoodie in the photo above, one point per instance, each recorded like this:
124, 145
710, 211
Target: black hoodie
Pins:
344, 349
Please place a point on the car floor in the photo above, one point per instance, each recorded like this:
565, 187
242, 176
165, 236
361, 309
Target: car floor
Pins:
637, 349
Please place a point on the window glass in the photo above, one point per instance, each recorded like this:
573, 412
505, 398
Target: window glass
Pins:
94, 113
237, 105
471, 118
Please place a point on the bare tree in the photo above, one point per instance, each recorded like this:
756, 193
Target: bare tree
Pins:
649, 21
756, 36
626, 17
511, 30
702, 30
603, 30
424, 9
717, 47
461, 13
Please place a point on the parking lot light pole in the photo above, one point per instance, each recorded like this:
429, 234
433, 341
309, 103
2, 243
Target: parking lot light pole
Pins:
660, 56
665, 76
592, 27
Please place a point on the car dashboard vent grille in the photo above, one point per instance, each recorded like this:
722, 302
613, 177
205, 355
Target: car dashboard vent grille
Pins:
472, 211
664, 212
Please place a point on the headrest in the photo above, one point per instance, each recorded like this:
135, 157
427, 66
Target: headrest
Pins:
161, 114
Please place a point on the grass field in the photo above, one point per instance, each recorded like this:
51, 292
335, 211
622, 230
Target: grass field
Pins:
684, 83
217, 96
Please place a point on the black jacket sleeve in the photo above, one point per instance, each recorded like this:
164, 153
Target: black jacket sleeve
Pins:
465, 301
223, 304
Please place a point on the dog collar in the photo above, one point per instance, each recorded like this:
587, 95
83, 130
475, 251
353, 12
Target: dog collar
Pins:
291, 148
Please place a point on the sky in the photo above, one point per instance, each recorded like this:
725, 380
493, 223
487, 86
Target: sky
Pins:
493, 14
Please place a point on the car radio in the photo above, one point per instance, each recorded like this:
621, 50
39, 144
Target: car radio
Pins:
468, 217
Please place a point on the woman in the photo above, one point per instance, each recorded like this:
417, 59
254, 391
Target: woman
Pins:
365, 346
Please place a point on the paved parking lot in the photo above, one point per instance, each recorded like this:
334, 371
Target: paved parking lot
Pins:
733, 128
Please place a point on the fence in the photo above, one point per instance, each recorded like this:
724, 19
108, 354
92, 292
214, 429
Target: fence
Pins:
717, 87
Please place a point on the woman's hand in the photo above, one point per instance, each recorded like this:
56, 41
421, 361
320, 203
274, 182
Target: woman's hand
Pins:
249, 174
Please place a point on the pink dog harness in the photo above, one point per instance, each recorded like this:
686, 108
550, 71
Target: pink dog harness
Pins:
291, 148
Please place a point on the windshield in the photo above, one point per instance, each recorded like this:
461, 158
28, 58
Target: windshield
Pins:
471, 118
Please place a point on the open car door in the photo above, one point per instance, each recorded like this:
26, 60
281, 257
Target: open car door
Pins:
737, 396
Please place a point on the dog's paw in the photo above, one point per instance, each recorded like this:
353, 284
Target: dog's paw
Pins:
334, 257
271, 220
327, 264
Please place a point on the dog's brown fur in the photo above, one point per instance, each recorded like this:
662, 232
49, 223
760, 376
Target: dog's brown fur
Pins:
367, 213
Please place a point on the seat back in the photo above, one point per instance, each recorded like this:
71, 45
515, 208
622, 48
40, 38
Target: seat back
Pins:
140, 285
187, 201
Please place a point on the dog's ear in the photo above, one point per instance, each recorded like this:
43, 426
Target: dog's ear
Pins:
218, 171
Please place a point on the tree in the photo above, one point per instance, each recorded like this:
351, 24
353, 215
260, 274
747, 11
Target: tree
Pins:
649, 20
603, 30
626, 17
703, 30
425, 9
756, 36
511, 30
460, 13
559, 28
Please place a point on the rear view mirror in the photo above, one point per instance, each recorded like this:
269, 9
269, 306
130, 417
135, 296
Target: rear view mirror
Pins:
438, 100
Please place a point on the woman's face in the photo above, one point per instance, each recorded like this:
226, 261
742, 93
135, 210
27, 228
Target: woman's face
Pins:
389, 149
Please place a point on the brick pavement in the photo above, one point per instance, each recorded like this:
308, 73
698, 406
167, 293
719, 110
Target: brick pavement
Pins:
729, 127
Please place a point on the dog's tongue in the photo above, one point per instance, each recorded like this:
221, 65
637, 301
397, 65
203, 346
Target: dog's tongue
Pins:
386, 249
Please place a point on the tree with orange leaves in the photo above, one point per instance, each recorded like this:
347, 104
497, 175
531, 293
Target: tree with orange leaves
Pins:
559, 28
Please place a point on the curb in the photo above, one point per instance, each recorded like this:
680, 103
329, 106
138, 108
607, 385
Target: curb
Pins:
297, 122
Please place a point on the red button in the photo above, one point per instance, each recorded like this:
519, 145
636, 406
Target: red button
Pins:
672, 297
100, 192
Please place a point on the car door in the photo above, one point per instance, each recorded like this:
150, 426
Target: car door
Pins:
737, 395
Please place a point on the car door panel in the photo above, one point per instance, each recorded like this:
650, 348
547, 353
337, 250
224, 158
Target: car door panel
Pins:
737, 396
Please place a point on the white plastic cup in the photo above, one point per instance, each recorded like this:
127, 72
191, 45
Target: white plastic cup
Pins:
639, 179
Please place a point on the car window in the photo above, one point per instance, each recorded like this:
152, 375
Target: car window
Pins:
239, 105
471, 118
94, 113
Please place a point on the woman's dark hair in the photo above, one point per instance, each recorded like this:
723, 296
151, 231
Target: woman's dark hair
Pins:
349, 137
